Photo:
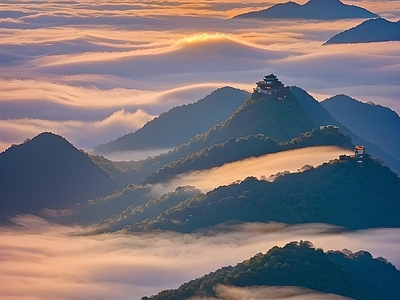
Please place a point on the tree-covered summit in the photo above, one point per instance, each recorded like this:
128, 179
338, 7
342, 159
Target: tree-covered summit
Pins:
356, 275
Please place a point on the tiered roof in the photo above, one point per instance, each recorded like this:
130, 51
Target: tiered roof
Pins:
270, 85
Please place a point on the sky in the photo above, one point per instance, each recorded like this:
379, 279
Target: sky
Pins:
94, 71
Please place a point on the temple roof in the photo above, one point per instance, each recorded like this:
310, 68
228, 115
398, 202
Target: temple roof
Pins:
270, 76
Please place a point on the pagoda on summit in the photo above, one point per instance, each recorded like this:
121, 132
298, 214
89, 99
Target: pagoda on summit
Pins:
270, 86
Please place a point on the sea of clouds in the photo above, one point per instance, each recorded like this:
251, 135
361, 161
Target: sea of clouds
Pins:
76, 67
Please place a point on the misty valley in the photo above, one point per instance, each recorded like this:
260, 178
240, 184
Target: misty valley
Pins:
167, 150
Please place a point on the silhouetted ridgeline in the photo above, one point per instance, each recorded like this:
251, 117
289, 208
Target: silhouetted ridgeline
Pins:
313, 9
181, 123
373, 30
340, 193
47, 171
374, 123
356, 275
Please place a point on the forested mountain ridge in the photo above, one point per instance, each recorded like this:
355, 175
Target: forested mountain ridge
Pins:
340, 193
48, 171
313, 9
245, 147
181, 123
280, 120
357, 275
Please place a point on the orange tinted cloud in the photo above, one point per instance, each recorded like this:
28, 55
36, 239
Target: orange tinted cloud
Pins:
42, 261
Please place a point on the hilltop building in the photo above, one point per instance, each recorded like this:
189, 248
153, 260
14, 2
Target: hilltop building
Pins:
270, 86
331, 128
359, 154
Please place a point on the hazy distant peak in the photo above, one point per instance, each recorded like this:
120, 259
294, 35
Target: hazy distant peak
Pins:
372, 30
44, 140
313, 9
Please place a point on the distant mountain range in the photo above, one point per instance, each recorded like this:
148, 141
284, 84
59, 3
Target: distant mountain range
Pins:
356, 275
373, 123
313, 9
373, 30
181, 123
48, 172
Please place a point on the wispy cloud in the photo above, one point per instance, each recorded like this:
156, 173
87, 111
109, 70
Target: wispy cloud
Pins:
84, 134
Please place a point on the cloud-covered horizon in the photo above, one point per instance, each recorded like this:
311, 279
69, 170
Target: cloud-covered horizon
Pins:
42, 260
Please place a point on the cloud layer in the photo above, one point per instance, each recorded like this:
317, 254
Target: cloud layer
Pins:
41, 260
81, 62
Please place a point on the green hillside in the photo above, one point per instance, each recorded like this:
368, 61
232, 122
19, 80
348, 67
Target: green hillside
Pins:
340, 193
355, 275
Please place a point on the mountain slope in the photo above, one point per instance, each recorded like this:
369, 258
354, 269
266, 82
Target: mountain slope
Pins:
356, 275
374, 123
340, 193
260, 114
373, 30
323, 117
181, 123
47, 171
313, 9
280, 120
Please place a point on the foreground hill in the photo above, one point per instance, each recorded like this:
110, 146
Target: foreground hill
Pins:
375, 123
313, 9
340, 193
356, 275
373, 30
178, 125
47, 171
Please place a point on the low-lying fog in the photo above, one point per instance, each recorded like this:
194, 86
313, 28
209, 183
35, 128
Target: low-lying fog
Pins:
266, 165
41, 260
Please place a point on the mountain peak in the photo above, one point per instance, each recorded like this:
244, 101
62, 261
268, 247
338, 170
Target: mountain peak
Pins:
313, 9
53, 174
358, 276
372, 30
45, 140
